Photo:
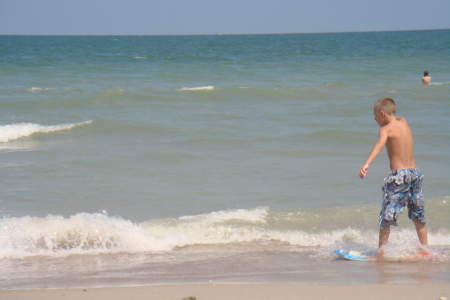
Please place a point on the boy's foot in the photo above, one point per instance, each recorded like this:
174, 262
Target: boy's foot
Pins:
379, 256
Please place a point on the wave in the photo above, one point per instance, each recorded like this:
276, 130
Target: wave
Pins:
200, 88
38, 89
439, 83
95, 233
20, 130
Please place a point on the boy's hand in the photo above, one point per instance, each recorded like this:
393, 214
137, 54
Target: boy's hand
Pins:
363, 171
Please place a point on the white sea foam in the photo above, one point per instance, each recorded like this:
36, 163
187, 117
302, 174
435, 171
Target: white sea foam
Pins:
20, 130
82, 233
38, 89
200, 88
98, 233
95, 233
257, 215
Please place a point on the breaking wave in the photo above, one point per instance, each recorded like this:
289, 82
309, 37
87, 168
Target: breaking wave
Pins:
21, 130
200, 88
95, 233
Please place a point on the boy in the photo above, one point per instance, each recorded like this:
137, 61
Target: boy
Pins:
404, 183
426, 79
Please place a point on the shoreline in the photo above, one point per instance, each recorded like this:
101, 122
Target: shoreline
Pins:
220, 265
246, 291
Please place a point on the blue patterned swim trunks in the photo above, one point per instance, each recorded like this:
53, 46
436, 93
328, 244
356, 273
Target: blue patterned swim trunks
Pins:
402, 188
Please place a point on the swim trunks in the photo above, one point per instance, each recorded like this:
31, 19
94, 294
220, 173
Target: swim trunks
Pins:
402, 188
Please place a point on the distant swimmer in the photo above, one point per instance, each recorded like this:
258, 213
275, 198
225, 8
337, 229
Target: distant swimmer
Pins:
426, 79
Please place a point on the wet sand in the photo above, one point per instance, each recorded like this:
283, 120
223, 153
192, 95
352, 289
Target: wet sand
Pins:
242, 291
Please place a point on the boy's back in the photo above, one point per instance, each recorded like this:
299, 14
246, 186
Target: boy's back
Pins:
399, 144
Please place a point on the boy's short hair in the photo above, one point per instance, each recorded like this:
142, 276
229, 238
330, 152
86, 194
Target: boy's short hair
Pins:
387, 105
425, 73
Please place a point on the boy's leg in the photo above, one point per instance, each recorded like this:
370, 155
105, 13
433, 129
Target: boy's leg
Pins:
383, 240
422, 234
384, 236
416, 208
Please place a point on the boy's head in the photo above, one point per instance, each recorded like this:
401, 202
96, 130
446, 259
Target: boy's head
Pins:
385, 104
382, 108
425, 74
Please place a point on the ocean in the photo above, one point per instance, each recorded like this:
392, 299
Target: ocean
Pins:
136, 160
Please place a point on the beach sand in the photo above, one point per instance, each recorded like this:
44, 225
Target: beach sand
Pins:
242, 291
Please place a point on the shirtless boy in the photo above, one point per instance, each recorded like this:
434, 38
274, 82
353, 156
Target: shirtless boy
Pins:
426, 79
403, 187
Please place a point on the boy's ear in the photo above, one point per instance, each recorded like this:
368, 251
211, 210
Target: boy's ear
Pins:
382, 113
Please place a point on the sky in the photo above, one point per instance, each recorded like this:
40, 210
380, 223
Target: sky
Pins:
181, 17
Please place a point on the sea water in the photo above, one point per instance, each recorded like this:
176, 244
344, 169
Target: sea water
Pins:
129, 160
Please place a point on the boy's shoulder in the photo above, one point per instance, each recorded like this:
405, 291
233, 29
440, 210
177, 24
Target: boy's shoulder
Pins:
401, 119
399, 122
394, 127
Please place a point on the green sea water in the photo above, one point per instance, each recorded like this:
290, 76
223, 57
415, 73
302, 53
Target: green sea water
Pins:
161, 153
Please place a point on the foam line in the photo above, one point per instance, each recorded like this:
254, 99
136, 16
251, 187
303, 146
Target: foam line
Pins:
20, 130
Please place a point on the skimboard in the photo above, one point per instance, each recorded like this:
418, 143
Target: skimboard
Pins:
354, 255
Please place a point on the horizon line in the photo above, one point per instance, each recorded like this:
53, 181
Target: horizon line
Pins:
220, 33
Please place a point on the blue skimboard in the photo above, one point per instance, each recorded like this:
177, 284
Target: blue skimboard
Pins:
354, 255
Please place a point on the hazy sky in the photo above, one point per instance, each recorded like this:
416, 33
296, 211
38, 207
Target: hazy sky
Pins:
123, 17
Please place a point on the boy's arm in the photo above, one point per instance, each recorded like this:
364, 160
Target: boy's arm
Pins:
379, 145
